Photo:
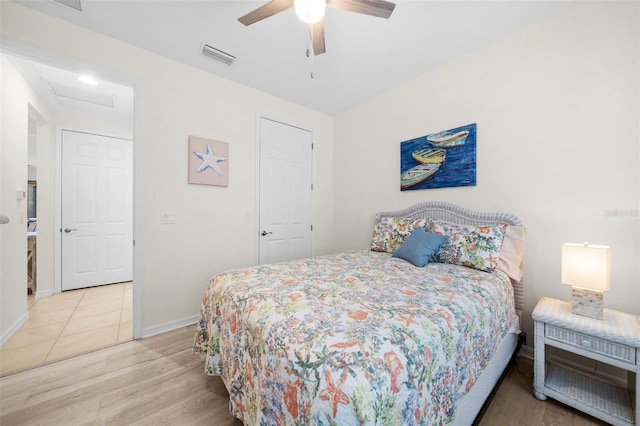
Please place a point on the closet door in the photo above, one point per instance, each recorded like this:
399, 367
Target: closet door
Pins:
285, 192
97, 210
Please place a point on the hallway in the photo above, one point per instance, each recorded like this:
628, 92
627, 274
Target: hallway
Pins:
68, 324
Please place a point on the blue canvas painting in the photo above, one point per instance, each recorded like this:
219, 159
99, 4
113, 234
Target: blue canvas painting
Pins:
439, 160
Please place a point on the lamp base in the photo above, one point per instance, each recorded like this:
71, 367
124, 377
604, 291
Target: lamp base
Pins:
587, 303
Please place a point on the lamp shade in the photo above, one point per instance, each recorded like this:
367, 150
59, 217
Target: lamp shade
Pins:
586, 266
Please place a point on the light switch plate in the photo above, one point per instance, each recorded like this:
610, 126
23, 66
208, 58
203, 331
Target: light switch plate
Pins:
168, 218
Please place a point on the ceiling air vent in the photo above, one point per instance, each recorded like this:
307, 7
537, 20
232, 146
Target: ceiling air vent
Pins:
218, 55
73, 4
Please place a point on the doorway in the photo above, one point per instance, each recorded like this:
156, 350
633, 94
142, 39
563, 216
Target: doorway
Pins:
32, 344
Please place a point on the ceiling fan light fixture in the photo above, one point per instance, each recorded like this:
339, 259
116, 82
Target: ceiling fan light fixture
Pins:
310, 11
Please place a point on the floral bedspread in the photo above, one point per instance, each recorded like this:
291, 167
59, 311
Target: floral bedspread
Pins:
352, 338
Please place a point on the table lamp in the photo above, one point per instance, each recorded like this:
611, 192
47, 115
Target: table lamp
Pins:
587, 269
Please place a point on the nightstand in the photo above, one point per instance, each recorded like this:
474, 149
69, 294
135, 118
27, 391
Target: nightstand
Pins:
615, 340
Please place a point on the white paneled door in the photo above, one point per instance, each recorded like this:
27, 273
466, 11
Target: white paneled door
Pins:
97, 210
285, 192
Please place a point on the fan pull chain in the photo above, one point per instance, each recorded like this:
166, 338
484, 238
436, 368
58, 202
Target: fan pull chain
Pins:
309, 53
312, 66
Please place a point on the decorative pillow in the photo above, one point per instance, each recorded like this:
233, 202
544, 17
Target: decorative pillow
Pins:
420, 247
473, 246
511, 260
390, 232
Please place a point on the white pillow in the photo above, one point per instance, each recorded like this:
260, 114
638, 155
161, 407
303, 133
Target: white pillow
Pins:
511, 260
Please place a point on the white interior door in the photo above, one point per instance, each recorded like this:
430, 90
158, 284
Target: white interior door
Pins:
97, 210
285, 192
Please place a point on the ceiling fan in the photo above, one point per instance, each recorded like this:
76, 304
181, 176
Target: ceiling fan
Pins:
312, 12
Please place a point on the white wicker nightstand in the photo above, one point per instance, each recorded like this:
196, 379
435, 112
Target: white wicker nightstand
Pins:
615, 340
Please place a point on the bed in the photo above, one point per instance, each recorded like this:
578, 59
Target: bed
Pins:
376, 336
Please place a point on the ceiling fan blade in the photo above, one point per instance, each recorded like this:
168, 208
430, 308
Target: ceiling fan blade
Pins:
316, 32
379, 8
265, 11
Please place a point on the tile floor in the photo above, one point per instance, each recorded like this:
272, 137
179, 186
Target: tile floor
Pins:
68, 324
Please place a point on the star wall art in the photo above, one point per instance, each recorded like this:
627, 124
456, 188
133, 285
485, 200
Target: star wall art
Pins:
208, 162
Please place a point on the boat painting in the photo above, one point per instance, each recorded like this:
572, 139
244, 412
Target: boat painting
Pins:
458, 166
418, 174
429, 155
448, 139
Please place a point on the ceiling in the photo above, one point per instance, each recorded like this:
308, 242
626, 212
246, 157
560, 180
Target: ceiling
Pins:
365, 55
63, 91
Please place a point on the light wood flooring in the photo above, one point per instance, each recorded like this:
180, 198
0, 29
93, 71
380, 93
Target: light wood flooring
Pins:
159, 380
68, 324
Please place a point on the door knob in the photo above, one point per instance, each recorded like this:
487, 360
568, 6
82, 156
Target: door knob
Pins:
67, 230
263, 233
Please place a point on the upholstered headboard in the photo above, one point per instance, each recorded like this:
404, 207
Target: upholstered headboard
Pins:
456, 214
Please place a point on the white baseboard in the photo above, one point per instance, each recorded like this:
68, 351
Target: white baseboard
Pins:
526, 352
43, 293
169, 326
15, 327
581, 364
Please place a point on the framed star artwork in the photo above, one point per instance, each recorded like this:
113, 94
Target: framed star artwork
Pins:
208, 162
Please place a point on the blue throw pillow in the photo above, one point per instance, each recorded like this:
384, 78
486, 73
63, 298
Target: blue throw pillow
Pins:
420, 247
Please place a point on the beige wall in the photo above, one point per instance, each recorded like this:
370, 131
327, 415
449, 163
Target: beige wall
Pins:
557, 109
18, 99
211, 233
